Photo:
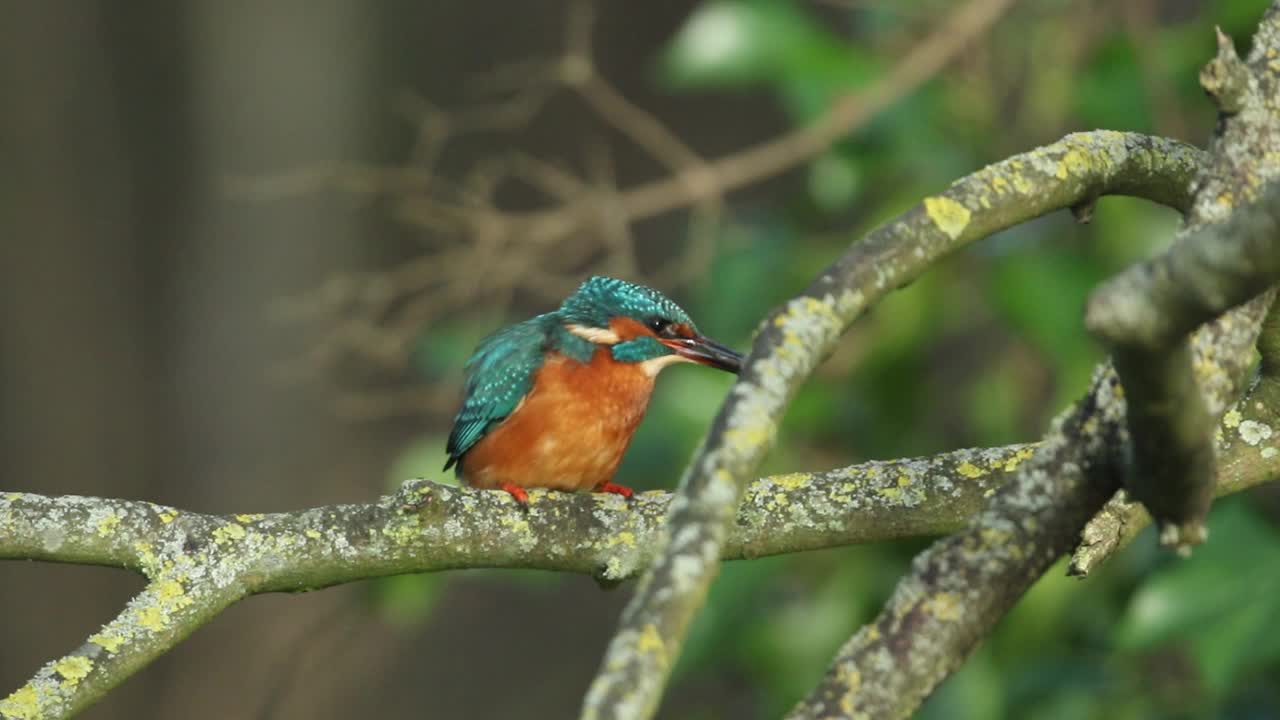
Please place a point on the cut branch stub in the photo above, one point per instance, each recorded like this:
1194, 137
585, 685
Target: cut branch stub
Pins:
1226, 78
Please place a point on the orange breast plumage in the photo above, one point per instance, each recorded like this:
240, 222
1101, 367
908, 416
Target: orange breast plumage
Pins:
569, 432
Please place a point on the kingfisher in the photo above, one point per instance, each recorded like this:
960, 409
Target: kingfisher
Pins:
552, 402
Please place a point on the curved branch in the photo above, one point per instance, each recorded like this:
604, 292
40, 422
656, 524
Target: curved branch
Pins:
965, 583
792, 342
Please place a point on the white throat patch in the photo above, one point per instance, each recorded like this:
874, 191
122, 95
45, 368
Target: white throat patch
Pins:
654, 366
599, 336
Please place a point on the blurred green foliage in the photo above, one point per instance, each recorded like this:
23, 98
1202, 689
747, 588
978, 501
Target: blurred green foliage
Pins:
982, 350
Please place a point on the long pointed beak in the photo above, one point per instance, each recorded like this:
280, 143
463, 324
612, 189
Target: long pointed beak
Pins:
705, 351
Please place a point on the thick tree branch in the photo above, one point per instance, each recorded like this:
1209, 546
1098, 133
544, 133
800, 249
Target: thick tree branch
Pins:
795, 339
959, 588
199, 564
1144, 314
427, 526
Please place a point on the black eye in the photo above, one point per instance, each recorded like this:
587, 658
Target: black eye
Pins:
658, 325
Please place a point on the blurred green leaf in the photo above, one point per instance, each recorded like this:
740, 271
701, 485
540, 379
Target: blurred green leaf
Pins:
735, 44
407, 599
1113, 97
1224, 601
765, 43
422, 458
834, 181
973, 693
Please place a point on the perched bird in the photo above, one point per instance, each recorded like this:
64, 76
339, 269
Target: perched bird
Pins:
553, 401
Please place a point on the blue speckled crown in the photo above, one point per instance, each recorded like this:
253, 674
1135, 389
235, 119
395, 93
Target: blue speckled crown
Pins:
599, 299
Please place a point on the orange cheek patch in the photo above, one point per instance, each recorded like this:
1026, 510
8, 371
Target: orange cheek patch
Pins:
627, 329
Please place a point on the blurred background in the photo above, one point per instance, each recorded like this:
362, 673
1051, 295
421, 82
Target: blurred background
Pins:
247, 247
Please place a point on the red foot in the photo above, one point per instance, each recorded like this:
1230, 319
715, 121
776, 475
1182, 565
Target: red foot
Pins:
616, 489
517, 493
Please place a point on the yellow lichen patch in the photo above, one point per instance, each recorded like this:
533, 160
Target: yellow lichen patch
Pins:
228, 533
814, 306
249, 517
1232, 418
518, 525
23, 704
651, 642
110, 642
168, 516
944, 606
1012, 463
991, 536
849, 676
950, 216
108, 524
13, 496
892, 493
146, 555
73, 669
172, 594
169, 597
903, 481
970, 470
791, 481
404, 532
1074, 162
152, 618
626, 537
800, 307
743, 439
312, 533
780, 499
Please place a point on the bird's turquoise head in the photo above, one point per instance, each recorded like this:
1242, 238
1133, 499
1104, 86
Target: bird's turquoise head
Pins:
640, 325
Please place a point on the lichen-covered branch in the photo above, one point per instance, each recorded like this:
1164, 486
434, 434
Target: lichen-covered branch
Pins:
961, 586
1246, 440
427, 526
1145, 313
792, 342
198, 564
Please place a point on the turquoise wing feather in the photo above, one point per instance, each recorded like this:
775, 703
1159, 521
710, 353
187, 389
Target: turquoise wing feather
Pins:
499, 375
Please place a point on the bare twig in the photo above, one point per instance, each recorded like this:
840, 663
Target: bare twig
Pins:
577, 232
